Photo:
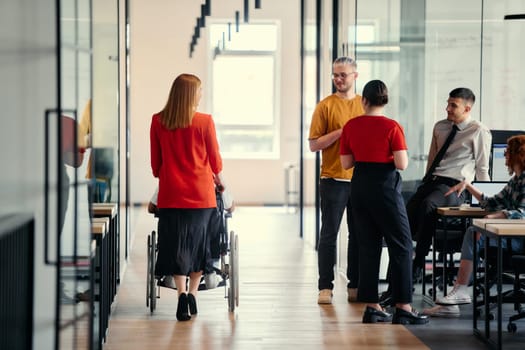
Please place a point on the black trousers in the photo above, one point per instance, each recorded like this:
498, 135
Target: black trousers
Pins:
379, 212
335, 199
421, 210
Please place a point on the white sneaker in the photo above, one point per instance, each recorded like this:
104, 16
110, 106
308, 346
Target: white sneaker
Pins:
211, 280
459, 295
325, 296
442, 311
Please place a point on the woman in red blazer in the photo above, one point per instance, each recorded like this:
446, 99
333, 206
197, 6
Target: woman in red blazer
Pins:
185, 158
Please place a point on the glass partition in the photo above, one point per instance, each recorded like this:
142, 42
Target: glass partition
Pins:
502, 103
421, 50
105, 160
90, 120
75, 235
105, 102
310, 91
418, 48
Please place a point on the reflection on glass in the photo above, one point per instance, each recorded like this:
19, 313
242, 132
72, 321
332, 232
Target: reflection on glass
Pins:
75, 235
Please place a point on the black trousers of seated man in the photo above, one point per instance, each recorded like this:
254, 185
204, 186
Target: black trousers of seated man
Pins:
422, 216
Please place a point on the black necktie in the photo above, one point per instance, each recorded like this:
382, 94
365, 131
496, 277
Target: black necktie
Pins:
441, 153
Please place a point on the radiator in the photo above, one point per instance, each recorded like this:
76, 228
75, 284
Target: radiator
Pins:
16, 281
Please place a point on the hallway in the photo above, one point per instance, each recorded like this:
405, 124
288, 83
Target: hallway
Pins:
277, 302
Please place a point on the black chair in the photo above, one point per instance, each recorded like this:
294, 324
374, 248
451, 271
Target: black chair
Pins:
518, 291
447, 241
513, 265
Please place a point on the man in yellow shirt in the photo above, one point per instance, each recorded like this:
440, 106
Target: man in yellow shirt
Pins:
328, 119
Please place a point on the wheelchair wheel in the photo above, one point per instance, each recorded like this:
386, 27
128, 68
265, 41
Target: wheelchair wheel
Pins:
152, 288
148, 248
233, 270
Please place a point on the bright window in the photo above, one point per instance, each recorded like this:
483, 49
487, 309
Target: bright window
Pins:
244, 90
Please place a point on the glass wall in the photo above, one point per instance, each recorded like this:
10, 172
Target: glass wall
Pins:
105, 101
502, 104
421, 50
310, 95
75, 235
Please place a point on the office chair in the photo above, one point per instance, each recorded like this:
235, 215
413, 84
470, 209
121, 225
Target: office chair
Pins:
513, 268
518, 291
455, 231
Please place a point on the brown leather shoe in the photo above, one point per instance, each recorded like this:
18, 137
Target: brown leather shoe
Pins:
325, 296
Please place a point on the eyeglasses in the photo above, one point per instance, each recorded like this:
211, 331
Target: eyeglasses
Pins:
342, 75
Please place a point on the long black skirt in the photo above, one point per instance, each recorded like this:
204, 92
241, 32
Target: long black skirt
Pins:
182, 241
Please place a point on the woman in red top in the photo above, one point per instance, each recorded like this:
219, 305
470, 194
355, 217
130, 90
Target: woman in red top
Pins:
375, 146
185, 157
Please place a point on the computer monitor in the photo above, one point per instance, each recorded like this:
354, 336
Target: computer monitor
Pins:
499, 169
488, 188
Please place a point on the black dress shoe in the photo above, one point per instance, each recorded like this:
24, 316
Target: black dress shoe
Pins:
192, 304
404, 317
385, 299
182, 308
372, 315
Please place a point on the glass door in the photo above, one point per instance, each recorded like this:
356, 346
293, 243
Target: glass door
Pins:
75, 125
310, 218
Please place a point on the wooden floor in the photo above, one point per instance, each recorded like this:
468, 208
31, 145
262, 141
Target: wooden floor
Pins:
277, 305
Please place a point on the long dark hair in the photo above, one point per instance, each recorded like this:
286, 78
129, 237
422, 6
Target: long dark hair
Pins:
376, 93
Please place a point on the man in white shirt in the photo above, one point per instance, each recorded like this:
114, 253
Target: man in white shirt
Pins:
465, 159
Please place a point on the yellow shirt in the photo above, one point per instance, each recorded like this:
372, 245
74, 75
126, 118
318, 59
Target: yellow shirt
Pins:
84, 134
331, 114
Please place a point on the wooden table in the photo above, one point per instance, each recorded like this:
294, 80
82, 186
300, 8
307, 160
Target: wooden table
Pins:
494, 229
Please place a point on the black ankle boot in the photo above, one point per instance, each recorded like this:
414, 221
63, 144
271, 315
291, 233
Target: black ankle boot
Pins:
182, 308
372, 315
192, 303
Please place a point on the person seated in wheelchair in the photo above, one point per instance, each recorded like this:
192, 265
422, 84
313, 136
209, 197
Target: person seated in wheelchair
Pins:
225, 204
509, 203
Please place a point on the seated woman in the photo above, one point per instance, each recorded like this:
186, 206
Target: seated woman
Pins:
507, 204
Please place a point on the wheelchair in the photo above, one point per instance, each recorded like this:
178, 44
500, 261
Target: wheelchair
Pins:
228, 271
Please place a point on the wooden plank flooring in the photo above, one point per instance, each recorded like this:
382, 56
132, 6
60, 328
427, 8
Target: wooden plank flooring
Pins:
277, 305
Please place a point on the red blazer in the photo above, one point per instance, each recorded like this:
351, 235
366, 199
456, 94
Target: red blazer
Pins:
185, 160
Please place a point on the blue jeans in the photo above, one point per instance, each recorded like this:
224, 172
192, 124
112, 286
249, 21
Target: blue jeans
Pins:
467, 248
335, 198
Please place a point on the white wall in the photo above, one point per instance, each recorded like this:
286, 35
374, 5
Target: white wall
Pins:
27, 89
160, 36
